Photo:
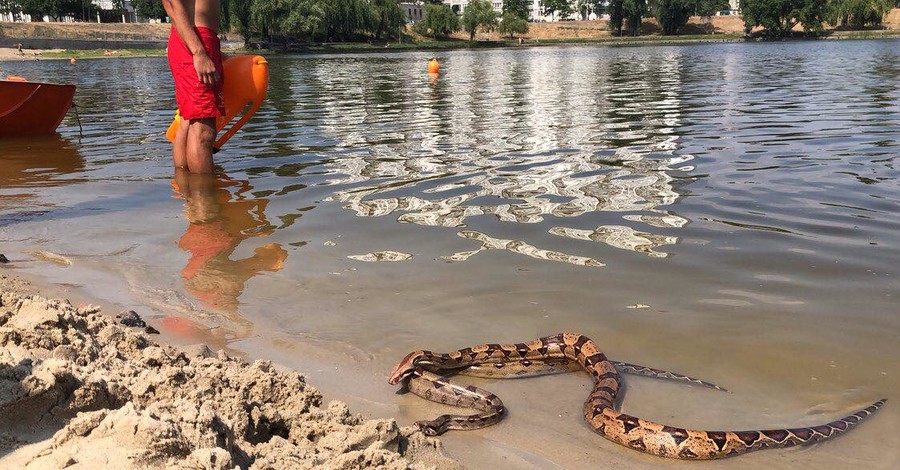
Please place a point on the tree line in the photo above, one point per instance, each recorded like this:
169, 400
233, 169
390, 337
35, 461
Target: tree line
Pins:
283, 21
56, 10
479, 15
777, 18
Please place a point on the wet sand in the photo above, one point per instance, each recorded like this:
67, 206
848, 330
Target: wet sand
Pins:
79, 390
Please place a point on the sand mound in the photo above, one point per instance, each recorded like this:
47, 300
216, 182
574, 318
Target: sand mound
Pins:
79, 391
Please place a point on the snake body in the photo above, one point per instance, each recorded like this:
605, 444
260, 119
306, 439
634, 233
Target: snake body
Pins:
548, 355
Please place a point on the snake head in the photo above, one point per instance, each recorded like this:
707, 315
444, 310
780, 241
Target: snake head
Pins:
405, 368
435, 427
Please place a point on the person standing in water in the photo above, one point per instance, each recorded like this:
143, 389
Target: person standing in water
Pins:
195, 59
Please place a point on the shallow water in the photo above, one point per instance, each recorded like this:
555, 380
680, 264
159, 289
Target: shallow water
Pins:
727, 211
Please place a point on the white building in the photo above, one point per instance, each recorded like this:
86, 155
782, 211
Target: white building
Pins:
412, 11
128, 16
459, 5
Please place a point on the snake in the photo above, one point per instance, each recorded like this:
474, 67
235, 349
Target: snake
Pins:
420, 371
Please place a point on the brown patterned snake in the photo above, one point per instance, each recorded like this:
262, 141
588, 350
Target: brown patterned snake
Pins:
558, 353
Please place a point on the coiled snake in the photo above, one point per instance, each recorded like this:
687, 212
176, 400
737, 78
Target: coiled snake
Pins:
568, 351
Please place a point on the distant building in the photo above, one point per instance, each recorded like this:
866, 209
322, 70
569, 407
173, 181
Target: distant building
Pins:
460, 5
108, 15
412, 11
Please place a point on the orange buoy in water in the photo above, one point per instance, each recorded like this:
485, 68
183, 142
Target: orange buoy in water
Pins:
246, 84
434, 66
72, 60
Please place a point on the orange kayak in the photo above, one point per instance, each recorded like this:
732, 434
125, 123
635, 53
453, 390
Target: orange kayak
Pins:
30, 108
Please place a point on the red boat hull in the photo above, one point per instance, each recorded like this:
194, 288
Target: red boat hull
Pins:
30, 109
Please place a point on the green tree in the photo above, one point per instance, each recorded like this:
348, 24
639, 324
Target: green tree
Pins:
149, 9
387, 17
672, 15
283, 20
343, 18
440, 20
512, 24
518, 8
778, 17
236, 17
9, 6
586, 7
709, 8
858, 13
558, 7
479, 14
37, 9
616, 11
634, 11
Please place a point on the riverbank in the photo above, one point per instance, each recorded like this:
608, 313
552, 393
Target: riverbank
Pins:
79, 388
88, 40
8, 54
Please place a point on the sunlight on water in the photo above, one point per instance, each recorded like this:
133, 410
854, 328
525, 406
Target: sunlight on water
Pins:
727, 211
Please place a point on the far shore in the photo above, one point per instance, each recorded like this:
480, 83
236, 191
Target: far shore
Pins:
11, 54
111, 40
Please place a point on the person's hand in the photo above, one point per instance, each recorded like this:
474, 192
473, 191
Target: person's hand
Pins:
206, 70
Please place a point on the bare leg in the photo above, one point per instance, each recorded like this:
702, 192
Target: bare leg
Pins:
200, 140
179, 147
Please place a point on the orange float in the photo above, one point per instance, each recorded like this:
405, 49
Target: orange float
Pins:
434, 66
246, 84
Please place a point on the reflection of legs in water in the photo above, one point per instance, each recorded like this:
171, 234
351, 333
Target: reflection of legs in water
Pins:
199, 193
219, 222
265, 258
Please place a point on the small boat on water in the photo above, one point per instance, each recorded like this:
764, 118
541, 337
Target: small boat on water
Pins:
31, 108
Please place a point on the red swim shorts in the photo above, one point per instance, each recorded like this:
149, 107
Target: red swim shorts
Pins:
196, 100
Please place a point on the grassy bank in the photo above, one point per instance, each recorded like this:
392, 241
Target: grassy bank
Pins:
455, 44
103, 53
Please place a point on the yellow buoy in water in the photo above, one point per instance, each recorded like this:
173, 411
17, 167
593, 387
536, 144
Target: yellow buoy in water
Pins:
434, 66
72, 60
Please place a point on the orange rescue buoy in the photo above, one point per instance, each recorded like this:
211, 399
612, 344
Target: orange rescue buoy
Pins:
434, 66
246, 83
72, 60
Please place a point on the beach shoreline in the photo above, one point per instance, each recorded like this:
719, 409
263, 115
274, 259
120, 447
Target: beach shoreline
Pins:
78, 387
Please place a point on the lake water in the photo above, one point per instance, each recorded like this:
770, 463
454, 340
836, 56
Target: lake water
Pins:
728, 211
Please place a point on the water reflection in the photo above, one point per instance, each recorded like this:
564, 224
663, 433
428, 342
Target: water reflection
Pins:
222, 214
38, 162
481, 143
31, 165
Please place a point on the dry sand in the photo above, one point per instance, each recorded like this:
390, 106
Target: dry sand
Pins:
10, 53
79, 390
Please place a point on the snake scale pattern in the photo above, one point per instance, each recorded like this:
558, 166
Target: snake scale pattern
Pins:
567, 351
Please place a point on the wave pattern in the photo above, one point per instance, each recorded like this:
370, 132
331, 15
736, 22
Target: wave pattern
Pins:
523, 148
